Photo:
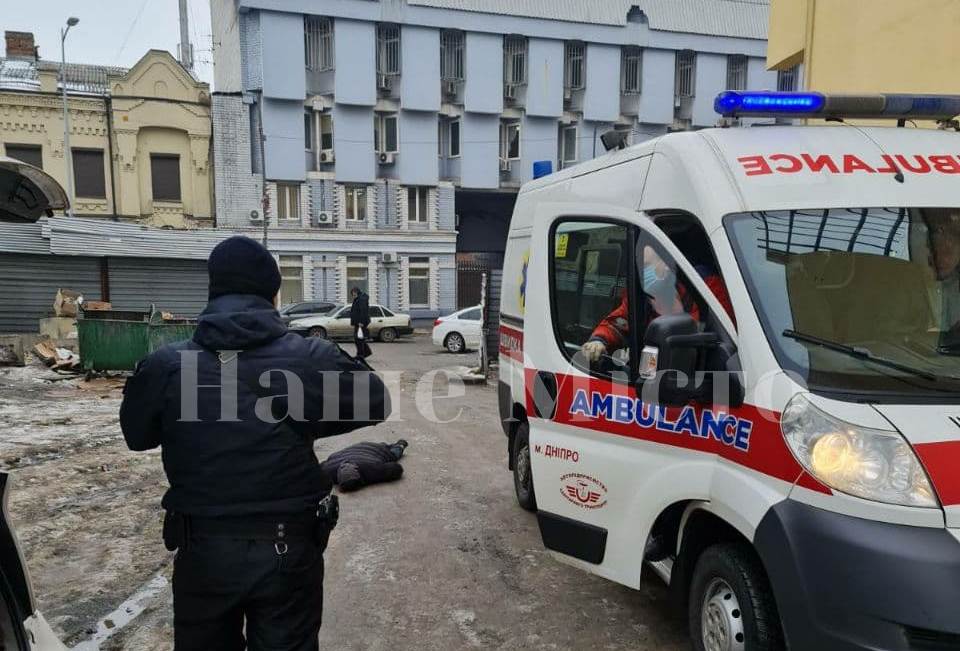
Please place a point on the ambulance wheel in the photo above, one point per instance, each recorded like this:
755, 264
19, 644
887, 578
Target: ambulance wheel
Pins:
731, 604
522, 472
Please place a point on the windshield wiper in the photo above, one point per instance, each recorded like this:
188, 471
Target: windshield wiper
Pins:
858, 352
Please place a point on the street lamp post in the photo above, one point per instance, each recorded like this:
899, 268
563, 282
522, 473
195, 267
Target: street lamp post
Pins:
67, 154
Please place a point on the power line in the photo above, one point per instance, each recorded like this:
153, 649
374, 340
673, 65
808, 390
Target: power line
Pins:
126, 38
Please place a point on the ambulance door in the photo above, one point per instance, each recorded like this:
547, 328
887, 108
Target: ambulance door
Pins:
602, 464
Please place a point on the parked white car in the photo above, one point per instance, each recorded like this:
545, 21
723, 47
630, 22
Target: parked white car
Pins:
385, 324
459, 331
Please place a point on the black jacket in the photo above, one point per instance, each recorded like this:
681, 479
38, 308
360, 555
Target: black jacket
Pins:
243, 464
363, 464
360, 310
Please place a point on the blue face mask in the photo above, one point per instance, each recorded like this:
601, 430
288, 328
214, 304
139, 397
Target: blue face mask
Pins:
649, 276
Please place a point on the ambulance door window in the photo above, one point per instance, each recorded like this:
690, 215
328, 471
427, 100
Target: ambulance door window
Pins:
664, 288
590, 269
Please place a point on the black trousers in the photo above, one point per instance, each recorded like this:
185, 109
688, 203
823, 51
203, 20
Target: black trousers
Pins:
363, 345
222, 584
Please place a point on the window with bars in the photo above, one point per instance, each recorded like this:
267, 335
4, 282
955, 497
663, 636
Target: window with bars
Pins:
388, 49
514, 60
686, 73
418, 207
385, 136
630, 67
451, 55
787, 79
355, 203
291, 283
318, 43
358, 274
574, 72
736, 72
510, 140
288, 201
568, 145
419, 282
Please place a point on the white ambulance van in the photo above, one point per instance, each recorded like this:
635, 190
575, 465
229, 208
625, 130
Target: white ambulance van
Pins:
732, 357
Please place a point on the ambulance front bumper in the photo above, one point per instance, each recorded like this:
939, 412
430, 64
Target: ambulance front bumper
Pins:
846, 583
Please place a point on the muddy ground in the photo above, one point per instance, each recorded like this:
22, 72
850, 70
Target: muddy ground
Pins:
442, 559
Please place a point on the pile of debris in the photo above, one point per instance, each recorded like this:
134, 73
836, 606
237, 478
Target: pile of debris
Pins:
59, 359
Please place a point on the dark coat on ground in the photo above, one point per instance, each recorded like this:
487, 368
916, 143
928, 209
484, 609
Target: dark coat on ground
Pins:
360, 310
363, 464
218, 465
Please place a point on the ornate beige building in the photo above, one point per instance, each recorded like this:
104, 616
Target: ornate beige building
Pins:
139, 138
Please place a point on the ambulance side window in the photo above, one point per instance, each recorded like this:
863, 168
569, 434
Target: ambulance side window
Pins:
590, 268
663, 285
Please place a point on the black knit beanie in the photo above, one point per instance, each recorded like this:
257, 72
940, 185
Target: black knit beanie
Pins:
241, 265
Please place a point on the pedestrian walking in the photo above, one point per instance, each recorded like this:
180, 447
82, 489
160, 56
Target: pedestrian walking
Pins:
360, 322
235, 411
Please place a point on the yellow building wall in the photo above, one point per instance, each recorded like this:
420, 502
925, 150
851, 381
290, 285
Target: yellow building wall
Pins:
864, 46
155, 108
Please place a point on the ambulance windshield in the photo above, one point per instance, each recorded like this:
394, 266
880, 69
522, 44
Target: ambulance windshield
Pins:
858, 300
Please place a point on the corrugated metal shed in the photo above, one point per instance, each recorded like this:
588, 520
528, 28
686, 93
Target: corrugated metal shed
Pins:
736, 18
178, 286
23, 238
72, 236
28, 284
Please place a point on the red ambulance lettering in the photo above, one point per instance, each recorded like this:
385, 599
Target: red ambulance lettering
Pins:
923, 167
891, 167
794, 164
820, 162
945, 164
754, 165
852, 164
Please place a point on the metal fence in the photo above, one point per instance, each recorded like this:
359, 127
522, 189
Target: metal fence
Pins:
318, 43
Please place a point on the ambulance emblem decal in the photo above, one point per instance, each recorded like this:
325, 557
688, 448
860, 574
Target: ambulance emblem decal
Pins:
583, 491
523, 282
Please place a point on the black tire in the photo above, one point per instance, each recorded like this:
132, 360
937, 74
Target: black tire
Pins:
455, 343
317, 331
522, 472
388, 335
730, 583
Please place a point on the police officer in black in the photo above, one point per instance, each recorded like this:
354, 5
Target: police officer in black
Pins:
235, 412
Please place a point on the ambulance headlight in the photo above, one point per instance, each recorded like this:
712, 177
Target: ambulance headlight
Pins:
873, 464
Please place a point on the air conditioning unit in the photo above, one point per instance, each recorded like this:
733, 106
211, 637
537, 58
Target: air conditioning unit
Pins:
326, 156
504, 165
386, 158
324, 218
510, 91
450, 88
255, 216
384, 82
388, 257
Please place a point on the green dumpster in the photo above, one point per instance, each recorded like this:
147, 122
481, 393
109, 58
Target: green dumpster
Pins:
115, 340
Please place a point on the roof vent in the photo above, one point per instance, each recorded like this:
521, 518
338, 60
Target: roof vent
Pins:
636, 15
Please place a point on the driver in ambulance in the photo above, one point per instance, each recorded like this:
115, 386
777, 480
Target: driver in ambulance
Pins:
665, 293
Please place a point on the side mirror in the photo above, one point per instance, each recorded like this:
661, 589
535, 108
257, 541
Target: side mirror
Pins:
690, 365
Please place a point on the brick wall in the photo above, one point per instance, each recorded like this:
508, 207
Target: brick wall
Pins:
237, 189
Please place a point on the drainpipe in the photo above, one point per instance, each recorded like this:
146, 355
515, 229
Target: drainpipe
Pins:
108, 107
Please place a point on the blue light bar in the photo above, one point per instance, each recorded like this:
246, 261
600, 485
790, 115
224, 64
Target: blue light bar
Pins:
733, 104
883, 106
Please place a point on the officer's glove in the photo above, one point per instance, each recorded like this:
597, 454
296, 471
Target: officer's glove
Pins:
593, 350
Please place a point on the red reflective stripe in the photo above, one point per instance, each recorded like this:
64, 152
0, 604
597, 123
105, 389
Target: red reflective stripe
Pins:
768, 453
942, 462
